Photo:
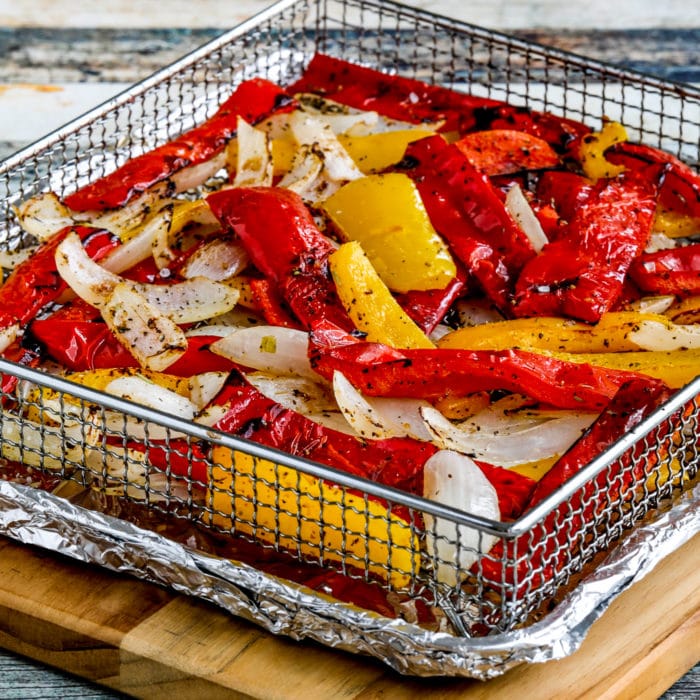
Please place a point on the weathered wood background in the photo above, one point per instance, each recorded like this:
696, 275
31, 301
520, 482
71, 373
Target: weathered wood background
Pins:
61, 57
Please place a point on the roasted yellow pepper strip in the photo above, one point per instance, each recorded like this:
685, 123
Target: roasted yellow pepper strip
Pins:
369, 302
674, 224
675, 368
610, 334
386, 215
375, 152
299, 512
593, 147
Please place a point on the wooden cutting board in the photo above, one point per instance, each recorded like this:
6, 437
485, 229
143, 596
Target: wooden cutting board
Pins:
146, 641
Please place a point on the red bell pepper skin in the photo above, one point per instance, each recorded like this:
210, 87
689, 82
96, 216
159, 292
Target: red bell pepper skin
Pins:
680, 188
392, 96
581, 274
253, 100
75, 336
672, 271
36, 282
564, 526
394, 461
563, 135
284, 243
504, 151
564, 191
177, 457
468, 212
23, 352
270, 303
428, 307
378, 370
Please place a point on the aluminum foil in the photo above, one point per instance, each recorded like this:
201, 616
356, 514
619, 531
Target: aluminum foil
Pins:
281, 607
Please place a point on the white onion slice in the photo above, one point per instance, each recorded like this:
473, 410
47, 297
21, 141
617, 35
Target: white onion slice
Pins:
507, 448
305, 396
379, 418
652, 305
8, 336
193, 300
271, 349
655, 335
9, 259
43, 215
339, 117
205, 387
196, 175
254, 166
151, 337
82, 274
147, 393
454, 480
318, 142
519, 208
660, 241
217, 260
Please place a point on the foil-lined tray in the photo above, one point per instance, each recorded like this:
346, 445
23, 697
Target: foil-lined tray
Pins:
640, 532
282, 607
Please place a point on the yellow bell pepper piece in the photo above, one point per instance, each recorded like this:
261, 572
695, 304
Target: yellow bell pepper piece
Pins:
675, 224
535, 470
676, 368
610, 334
685, 311
369, 302
386, 215
593, 147
375, 152
280, 505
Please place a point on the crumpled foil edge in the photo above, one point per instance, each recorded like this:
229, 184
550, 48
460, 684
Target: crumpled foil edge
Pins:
285, 608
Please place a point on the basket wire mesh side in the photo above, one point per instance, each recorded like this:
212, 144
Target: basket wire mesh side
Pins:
193, 483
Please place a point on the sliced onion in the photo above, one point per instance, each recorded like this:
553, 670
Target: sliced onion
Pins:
84, 276
43, 215
520, 209
205, 387
147, 393
652, 305
270, 349
302, 395
196, 175
306, 169
139, 247
379, 418
9, 259
254, 166
476, 312
318, 142
8, 336
339, 117
217, 260
454, 480
193, 300
151, 337
183, 215
660, 241
507, 447
657, 335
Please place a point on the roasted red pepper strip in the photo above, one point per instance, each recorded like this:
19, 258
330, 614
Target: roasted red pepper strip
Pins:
394, 461
538, 562
178, 457
563, 135
468, 212
680, 189
427, 308
378, 370
75, 336
24, 353
503, 151
393, 96
581, 274
564, 191
253, 100
284, 243
270, 304
673, 271
35, 282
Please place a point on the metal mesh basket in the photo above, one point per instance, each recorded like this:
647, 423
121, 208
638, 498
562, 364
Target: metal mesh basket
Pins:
111, 455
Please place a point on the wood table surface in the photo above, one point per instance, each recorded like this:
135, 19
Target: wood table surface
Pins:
59, 58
